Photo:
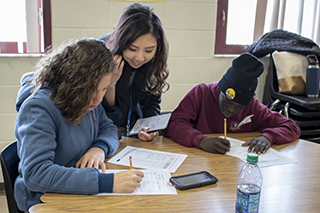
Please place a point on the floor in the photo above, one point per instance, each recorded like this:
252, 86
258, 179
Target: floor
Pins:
3, 204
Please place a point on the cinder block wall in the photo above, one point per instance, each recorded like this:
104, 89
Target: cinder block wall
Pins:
189, 26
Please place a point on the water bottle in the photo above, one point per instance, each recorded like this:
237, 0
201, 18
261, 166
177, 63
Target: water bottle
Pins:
249, 186
312, 78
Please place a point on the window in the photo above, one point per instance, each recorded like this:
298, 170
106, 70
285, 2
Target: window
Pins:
25, 26
240, 23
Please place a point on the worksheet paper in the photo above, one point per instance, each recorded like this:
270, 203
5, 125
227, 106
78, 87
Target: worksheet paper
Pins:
154, 182
148, 159
271, 158
157, 122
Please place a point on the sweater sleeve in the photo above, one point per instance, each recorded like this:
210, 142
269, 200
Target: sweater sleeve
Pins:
36, 134
277, 128
106, 182
107, 138
181, 125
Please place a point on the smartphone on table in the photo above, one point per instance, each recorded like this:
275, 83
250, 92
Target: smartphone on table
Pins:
193, 180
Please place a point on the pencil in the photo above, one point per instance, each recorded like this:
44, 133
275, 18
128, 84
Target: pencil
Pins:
130, 159
225, 128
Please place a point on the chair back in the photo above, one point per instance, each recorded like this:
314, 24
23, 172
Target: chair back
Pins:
303, 110
9, 165
271, 92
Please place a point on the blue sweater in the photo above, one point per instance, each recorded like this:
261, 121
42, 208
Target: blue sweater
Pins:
49, 147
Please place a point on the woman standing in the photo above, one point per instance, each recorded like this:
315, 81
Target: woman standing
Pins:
140, 49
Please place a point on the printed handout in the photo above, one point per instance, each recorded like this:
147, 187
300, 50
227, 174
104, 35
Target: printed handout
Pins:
271, 158
154, 182
157, 122
148, 159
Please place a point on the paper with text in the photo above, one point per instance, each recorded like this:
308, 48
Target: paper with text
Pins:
271, 158
148, 159
154, 182
157, 122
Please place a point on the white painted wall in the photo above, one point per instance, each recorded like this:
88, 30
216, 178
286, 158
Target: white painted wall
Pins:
189, 26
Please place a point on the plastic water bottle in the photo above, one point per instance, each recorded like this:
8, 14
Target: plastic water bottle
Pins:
249, 186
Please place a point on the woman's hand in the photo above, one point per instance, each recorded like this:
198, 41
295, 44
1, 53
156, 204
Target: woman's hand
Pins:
117, 72
94, 157
127, 181
143, 135
259, 145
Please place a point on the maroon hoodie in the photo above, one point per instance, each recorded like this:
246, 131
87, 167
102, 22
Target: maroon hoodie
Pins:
199, 113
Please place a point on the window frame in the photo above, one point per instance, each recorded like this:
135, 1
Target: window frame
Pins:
221, 48
221, 32
12, 47
47, 28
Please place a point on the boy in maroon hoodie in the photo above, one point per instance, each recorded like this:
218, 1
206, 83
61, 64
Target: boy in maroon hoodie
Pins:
203, 109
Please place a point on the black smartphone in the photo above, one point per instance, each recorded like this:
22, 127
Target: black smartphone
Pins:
193, 180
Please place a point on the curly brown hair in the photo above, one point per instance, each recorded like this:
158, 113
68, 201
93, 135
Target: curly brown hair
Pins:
138, 20
73, 71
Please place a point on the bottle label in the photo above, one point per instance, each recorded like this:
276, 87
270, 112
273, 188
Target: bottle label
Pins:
248, 197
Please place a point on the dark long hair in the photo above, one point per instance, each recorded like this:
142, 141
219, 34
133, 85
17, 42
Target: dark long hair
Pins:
73, 71
138, 20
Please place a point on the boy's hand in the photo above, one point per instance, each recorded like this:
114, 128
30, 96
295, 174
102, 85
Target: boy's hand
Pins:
215, 145
258, 145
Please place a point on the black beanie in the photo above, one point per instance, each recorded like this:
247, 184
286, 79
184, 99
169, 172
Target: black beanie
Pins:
240, 81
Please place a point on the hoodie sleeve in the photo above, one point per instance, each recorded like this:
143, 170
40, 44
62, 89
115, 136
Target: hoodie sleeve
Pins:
36, 131
277, 128
107, 137
181, 125
25, 90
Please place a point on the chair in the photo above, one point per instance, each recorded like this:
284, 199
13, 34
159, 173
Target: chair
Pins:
272, 88
303, 110
9, 165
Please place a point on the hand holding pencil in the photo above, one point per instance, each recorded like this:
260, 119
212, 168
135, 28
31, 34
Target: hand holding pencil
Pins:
216, 145
127, 181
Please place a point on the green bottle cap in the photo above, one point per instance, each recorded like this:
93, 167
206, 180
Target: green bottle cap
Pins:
252, 158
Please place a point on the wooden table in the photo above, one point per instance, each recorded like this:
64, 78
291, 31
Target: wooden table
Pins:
286, 188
